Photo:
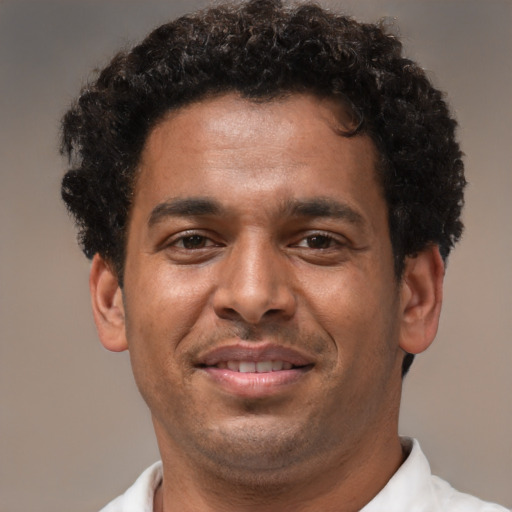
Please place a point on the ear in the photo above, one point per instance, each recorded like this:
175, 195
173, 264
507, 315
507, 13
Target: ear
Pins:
107, 305
421, 299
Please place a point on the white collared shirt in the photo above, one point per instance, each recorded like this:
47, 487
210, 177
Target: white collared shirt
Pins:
412, 488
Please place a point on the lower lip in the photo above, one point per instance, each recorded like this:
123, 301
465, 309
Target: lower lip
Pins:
255, 385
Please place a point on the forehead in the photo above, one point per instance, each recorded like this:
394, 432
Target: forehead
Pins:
299, 137
230, 115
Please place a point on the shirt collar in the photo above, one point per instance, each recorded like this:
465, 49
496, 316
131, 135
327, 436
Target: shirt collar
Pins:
408, 487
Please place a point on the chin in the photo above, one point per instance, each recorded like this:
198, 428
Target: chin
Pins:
259, 451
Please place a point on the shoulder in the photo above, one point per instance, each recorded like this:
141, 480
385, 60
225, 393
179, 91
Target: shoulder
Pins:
139, 497
414, 488
454, 501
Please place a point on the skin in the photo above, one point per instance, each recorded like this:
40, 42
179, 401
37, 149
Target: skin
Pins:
288, 245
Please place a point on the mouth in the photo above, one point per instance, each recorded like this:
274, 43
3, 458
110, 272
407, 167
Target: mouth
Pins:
254, 370
256, 366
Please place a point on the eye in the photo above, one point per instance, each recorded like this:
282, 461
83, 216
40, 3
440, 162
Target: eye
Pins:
191, 247
321, 248
194, 241
318, 241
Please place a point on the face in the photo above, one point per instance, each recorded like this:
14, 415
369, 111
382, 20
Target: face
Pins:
262, 314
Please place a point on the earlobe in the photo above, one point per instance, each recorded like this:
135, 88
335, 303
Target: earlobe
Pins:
107, 305
421, 299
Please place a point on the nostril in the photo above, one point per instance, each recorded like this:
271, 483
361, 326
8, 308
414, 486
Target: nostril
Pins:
273, 312
229, 313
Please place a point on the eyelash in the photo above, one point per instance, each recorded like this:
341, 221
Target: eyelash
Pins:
326, 237
196, 247
190, 235
180, 241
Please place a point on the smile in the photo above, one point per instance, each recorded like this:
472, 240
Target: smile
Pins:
255, 367
255, 370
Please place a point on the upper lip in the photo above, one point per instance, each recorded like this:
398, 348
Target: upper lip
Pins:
255, 352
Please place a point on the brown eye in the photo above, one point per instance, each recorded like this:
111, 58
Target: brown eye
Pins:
319, 242
194, 242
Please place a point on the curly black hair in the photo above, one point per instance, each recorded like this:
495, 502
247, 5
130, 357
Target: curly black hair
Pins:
263, 49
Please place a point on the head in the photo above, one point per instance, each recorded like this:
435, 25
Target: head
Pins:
265, 54
263, 50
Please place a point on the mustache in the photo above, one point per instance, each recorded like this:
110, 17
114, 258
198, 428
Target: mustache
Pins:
257, 333
275, 333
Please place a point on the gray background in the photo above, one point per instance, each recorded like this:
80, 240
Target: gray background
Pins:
74, 432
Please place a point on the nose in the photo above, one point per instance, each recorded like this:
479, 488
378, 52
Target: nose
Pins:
254, 284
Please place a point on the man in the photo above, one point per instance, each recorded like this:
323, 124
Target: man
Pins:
269, 195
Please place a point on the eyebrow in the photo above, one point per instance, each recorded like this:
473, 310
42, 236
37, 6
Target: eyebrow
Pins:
186, 207
311, 207
322, 207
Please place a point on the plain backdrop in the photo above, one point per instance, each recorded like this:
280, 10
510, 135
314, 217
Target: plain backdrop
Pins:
74, 431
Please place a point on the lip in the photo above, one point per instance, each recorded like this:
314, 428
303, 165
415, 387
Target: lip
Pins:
255, 352
254, 385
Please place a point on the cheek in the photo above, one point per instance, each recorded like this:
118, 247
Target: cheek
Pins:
165, 297
357, 309
345, 297
162, 308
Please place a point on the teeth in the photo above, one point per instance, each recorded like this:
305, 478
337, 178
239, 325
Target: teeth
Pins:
252, 367
247, 367
234, 366
264, 366
277, 366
